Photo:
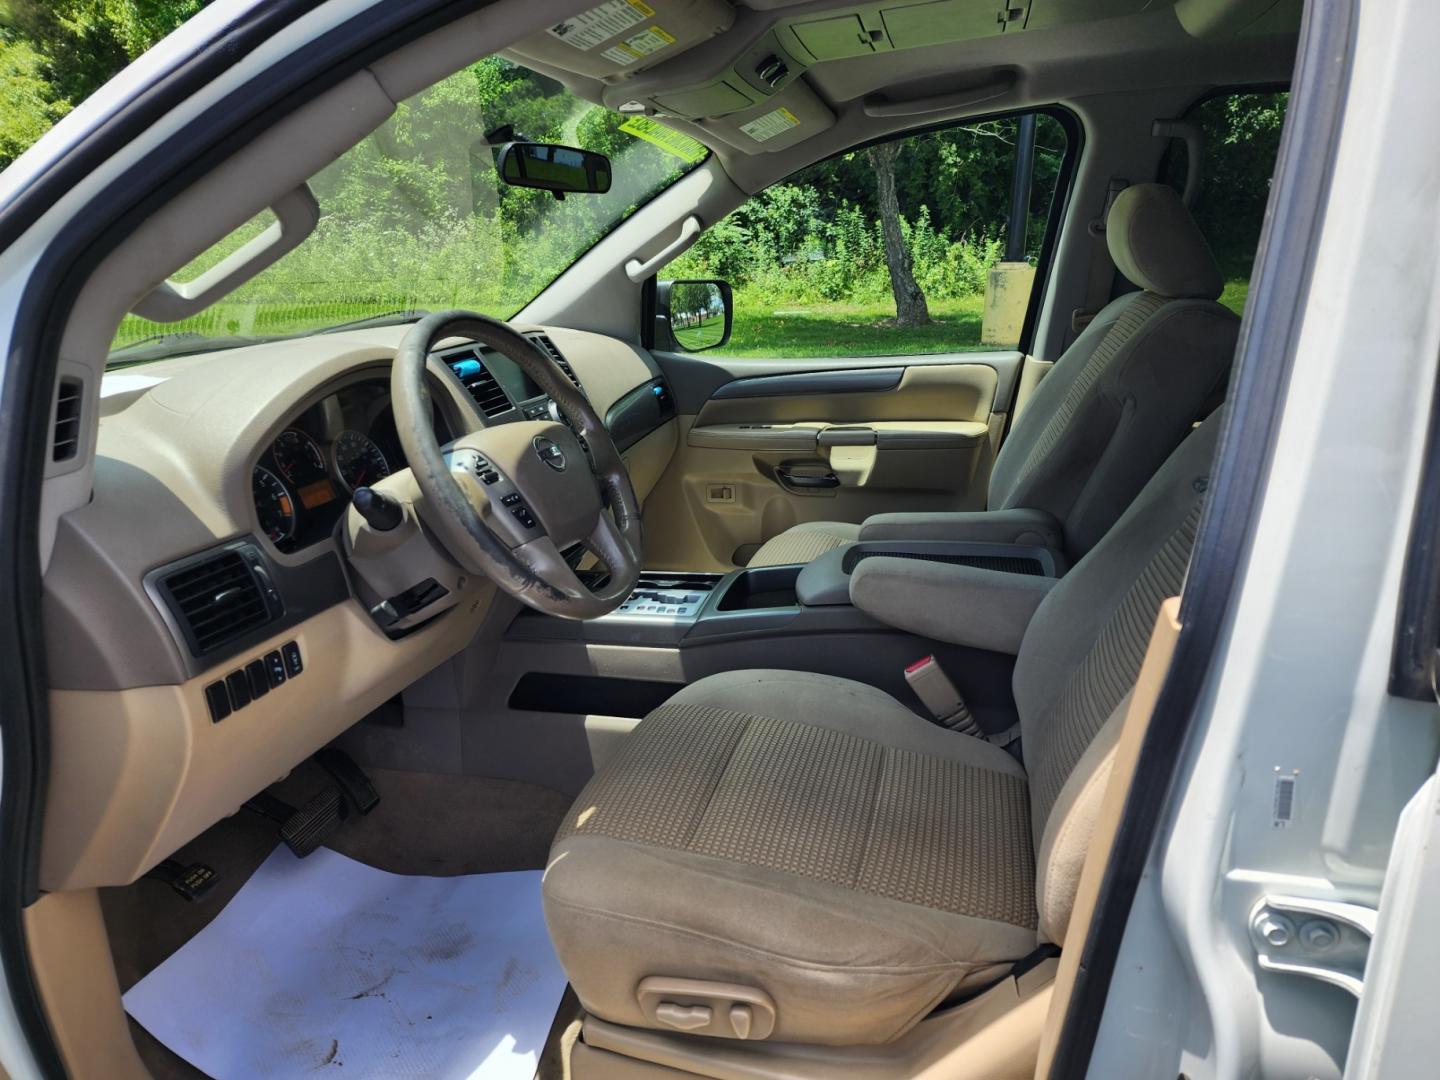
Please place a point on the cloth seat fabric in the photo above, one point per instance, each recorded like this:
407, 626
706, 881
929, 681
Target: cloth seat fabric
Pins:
1109, 412
813, 838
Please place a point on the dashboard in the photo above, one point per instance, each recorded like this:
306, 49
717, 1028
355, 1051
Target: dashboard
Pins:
303, 479
208, 546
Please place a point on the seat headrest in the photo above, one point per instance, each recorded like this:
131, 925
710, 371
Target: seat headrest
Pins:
1157, 245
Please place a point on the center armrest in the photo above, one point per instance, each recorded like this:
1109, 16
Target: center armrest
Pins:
965, 605
1018, 526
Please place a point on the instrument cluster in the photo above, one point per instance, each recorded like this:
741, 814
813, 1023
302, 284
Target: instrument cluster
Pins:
304, 479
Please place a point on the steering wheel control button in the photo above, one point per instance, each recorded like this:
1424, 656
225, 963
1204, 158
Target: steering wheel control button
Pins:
550, 453
293, 664
218, 698
274, 668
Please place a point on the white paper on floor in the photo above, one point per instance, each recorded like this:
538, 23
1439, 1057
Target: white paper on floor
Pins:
326, 965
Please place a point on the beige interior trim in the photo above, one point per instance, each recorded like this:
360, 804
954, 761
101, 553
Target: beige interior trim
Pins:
135, 774
994, 1036
1032, 370
75, 975
1126, 754
720, 493
803, 434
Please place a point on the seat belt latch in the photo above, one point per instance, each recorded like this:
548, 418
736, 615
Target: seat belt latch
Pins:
938, 694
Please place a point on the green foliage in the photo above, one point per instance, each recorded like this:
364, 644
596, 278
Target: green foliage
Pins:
816, 237
1242, 139
56, 53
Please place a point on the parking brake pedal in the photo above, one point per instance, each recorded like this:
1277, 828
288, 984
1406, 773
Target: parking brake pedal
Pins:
359, 792
305, 829
192, 882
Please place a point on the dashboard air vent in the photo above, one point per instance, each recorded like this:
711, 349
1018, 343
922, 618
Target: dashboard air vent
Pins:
487, 393
216, 599
549, 348
65, 439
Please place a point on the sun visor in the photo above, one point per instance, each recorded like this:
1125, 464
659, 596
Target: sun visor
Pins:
613, 40
791, 116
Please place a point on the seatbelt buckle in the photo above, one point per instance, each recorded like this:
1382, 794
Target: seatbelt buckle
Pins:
938, 694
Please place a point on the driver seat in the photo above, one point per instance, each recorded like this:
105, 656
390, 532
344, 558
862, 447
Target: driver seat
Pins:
782, 855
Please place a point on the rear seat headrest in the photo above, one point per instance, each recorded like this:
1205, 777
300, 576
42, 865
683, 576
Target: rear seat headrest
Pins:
1157, 245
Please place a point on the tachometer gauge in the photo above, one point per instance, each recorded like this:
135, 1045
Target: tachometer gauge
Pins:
358, 460
298, 458
273, 505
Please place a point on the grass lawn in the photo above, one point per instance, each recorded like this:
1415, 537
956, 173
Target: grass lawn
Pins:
805, 330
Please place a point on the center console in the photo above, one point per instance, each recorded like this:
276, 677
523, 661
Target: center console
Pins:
681, 609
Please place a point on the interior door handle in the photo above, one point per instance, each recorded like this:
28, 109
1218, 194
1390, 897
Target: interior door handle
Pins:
790, 478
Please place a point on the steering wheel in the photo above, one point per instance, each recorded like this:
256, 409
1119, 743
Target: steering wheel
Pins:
506, 501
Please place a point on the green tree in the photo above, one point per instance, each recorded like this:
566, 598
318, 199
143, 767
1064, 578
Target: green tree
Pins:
56, 53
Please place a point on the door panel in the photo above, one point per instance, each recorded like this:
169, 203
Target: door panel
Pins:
763, 446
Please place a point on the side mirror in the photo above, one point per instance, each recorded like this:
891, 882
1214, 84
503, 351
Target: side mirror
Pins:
557, 169
693, 315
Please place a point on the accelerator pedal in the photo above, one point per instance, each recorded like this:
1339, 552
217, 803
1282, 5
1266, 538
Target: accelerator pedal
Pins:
192, 882
359, 792
306, 828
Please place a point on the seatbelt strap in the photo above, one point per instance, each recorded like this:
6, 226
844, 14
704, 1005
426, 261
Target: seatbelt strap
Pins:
1033, 959
1102, 268
938, 694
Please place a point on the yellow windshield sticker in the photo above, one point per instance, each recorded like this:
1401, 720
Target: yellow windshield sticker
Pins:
674, 142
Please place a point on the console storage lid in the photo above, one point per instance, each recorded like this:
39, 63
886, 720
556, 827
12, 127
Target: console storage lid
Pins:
945, 601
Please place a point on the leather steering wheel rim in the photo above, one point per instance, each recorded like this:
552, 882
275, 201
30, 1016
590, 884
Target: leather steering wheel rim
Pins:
535, 571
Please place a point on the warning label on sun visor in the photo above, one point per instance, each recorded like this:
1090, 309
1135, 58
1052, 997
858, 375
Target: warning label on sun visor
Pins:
601, 23
639, 46
766, 127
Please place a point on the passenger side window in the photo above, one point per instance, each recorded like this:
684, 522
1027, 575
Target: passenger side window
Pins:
924, 244
1242, 138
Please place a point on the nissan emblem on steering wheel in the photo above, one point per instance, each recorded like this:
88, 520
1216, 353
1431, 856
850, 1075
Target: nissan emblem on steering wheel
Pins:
549, 453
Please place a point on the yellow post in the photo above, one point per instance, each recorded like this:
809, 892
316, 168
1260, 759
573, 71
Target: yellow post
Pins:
1007, 295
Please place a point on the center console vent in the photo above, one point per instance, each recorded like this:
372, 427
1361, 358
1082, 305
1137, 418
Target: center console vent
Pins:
548, 347
487, 393
218, 597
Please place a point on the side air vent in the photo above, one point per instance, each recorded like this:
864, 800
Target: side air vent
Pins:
549, 347
487, 393
65, 439
219, 597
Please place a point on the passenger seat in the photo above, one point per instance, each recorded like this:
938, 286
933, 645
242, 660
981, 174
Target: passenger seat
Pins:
1112, 408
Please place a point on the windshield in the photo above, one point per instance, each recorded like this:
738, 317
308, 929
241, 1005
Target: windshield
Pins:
415, 218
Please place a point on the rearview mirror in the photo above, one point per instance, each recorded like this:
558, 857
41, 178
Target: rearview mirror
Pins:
553, 168
697, 314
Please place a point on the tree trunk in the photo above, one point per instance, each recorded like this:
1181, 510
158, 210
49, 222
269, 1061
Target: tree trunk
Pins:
910, 306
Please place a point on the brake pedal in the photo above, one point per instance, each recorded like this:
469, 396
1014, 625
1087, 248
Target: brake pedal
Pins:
192, 882
359, 792
309, 826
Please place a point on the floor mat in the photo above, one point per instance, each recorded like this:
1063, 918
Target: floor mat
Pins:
327, 963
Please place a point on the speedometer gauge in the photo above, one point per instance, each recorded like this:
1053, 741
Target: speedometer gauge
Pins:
274, 507
358, 460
